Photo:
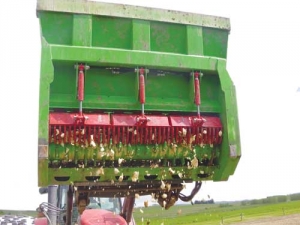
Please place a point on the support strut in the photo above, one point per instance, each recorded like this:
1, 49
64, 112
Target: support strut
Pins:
128, 208
198, 120
69, 205
52, 200
80, 118
142, 119
197, 92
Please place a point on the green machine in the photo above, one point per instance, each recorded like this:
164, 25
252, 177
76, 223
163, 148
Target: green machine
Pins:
134, 100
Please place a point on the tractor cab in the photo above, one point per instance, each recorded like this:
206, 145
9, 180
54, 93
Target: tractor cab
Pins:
83, 208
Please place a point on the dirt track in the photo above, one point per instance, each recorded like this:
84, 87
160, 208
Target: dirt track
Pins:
282, 220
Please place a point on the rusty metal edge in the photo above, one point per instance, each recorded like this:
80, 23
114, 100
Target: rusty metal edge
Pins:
134, 12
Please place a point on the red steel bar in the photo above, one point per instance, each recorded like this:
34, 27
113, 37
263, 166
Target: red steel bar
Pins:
197, 88
142, 86
81, 82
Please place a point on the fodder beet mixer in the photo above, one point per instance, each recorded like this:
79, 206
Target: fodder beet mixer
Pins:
134, 100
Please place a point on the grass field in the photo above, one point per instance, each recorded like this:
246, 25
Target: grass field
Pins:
200, 214
213, 213
18, 213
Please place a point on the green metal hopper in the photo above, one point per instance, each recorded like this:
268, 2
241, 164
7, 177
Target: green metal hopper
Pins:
133, 96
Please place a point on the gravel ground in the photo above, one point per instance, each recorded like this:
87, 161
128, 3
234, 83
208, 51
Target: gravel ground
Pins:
15, 220
281, 220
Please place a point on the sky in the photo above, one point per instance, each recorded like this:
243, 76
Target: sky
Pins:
263, 61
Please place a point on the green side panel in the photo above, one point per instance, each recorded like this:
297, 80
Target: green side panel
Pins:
167, 37
102, 83
103, 90
112, 32
46, 77
64, 81
215, 42
127, 58
159, 88
231, 145
43, 172
194, 40
82, 30
141, 35
211, 94
57, 27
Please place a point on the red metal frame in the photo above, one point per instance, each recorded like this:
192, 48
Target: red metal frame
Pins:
197, 88
80, 90
104, 128
142, 86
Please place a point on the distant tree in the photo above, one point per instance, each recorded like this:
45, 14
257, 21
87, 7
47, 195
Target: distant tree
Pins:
244, 202
270, 200
253, 202
223, 205
256, 201
266, 200
211, 201
295, 197
282, 198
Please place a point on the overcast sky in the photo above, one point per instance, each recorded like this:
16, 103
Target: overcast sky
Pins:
263, 61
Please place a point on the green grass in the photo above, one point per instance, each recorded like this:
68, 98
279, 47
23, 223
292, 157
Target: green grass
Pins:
200, 214
213, 213
18, 212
